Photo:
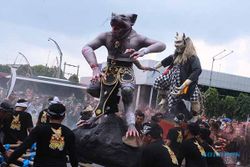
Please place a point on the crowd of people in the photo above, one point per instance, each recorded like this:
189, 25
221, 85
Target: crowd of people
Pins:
53, 140
23, 116
177, 137
217, 141
221, 141
38, 101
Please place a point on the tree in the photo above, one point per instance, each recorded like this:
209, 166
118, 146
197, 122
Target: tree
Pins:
74, 78
24, 70
41, 70
4, 68
211, 102
243, 104
229, 106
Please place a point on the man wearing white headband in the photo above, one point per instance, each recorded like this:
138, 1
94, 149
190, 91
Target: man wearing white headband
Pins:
17, 126
54, 141
21, 104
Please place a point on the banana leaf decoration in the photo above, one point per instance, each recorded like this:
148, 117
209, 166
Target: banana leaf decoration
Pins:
12, 81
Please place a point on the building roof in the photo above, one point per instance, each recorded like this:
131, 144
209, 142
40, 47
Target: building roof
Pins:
218, 79
52, 81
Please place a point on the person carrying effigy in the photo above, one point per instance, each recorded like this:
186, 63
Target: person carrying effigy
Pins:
124, 46
43, 115
181, 77
54, 141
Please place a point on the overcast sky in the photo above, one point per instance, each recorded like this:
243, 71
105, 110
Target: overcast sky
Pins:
213, 25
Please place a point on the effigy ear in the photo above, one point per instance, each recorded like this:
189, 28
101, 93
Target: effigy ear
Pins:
133, 18
113, 14
177, 34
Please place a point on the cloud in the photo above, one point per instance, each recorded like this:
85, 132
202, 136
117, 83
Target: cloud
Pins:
235, 63
36, 47
213, 25
39, 50
212, 20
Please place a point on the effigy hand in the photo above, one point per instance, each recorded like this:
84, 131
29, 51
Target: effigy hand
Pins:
129, 51
183, 88
90, 122
97, 74
136, 54
132, 131
178, 91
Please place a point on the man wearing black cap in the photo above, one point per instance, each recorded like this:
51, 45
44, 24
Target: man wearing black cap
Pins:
5, 110
214, 159
175, 135
174, 141
54, 141
17, 126
43, 115
191, 148
154, 152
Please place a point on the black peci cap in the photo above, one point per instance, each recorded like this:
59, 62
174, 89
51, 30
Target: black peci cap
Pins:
205, 135
152, 129
5, 106
194, 128
56, 110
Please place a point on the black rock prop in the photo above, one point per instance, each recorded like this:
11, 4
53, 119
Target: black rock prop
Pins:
179, 108
103, 144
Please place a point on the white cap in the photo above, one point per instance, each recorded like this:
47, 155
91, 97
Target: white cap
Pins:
55, 100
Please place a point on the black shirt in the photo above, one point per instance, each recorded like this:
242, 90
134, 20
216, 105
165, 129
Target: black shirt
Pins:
42, 117
213, 157
54, 142
157, 154
193, 153
139, 128
2, 149
175, 135
15, 127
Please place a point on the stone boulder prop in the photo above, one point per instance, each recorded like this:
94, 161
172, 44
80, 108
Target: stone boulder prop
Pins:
102, 144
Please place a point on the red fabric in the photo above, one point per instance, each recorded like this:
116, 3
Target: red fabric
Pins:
93, 65
167, 70
166, 125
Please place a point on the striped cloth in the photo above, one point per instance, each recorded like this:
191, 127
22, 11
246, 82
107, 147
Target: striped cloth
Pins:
169, 82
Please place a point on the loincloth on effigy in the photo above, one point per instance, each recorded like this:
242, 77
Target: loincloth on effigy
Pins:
117, 73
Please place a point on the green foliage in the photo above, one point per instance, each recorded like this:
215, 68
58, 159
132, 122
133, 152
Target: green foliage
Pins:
229, 104
74, 78
243, 103
233, 107
212, 102
24, 70
4, 68
41, 70
37, 70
